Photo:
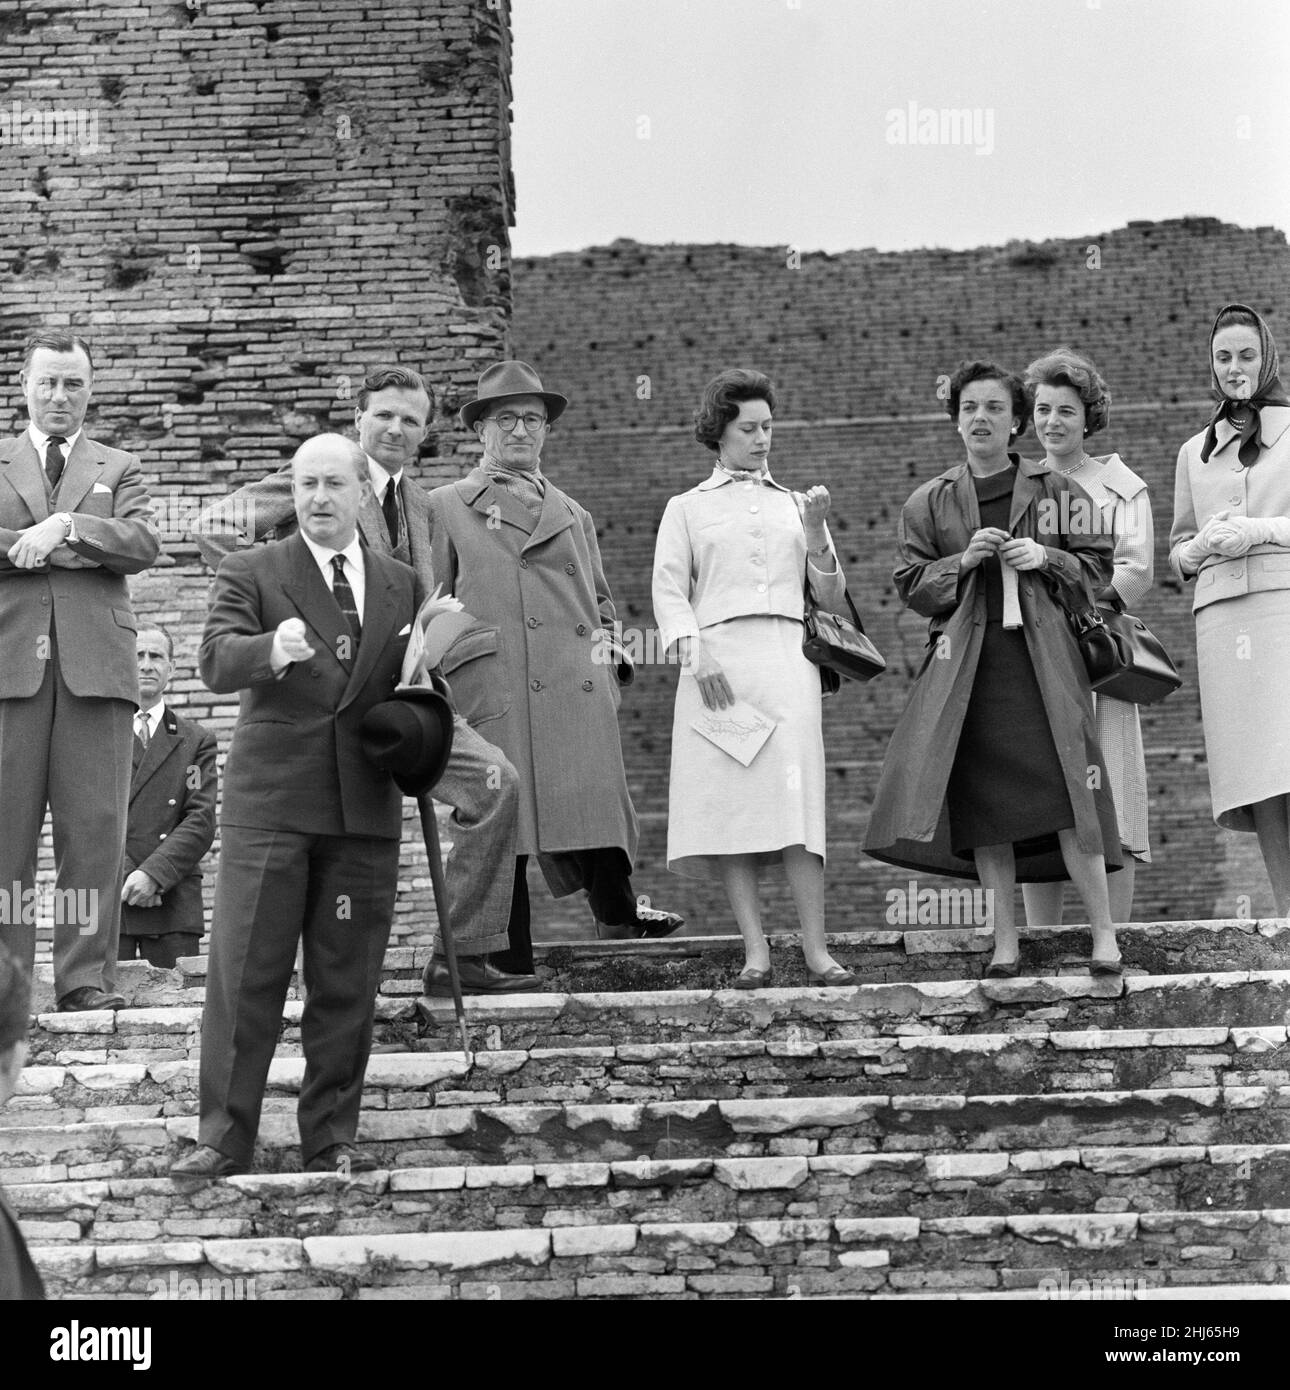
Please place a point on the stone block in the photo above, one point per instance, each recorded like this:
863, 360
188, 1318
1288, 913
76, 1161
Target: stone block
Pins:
593, 1240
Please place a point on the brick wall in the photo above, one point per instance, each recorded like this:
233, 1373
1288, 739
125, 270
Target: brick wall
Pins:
855, 344
258, 202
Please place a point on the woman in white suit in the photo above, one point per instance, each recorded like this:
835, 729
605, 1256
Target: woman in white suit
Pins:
733, 557
1231, 533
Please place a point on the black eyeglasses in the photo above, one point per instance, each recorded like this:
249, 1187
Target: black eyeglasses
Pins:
507, 421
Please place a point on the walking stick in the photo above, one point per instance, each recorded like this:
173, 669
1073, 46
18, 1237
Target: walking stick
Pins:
430, 830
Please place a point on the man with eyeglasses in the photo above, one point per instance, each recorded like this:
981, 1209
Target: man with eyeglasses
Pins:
523, 559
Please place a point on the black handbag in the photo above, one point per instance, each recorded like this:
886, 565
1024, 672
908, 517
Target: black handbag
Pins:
838, 646
1123, 657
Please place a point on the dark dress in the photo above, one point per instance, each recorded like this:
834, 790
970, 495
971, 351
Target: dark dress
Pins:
1006, 785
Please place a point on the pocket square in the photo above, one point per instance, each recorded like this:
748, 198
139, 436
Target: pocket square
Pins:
101, 487
405, 629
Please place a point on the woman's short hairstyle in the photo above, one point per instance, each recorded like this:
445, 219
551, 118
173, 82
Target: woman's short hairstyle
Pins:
723, 396
1065, 367
968, 372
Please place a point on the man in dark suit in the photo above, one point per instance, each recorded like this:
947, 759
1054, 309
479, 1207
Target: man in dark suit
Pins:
392, 420
172, 816
75, 519
19, 1278
312, 631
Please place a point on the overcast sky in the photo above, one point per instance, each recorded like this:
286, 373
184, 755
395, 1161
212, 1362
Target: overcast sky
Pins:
780, 122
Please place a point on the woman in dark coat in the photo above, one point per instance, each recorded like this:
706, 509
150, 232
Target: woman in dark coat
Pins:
993, 771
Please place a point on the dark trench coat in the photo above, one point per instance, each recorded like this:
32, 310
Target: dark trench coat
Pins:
909, 825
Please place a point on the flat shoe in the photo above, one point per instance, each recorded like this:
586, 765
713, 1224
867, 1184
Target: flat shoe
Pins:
834, 975
1106, 967
1003, 969
748, 978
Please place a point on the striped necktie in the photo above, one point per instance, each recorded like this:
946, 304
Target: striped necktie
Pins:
344, 596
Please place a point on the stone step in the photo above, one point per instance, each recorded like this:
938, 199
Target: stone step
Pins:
973, 1063
778, 1257
484, 1197
129, 1144
1241, 999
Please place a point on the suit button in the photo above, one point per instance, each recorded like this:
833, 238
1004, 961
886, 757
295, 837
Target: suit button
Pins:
162, 836
524, 564
588, 685
1235, 499
171, 802
754, 509
535, 684
533, 622
581, 629
571, 568
761, 588
313, 673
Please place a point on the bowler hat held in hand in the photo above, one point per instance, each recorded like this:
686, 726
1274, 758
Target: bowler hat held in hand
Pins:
409, 736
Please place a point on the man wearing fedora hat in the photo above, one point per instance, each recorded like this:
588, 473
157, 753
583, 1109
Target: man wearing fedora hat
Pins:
523, 559
392, 419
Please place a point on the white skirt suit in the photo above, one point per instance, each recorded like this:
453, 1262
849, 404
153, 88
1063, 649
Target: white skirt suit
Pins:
1242, 609
730, 566
1121, 497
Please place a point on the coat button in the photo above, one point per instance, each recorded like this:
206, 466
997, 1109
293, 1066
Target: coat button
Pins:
581, 629
162, 836
571, 568
587, 685
535, 684
171, 802
533, 622
754, 509
1235, 499
761, 588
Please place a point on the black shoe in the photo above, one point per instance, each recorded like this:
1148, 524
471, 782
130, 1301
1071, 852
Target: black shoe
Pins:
649, 922
477, 975
343, 1159
87, 998
1003, 969
205, 1162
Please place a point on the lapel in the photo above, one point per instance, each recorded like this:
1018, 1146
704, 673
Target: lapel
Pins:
479, 493
304, 585
21, 468
1025, 490
557, 516
162, 744
371, 526
80, 474
379, 613
1273, 422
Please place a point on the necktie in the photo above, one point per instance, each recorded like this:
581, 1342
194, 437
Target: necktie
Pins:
391, 509
344, 596
141, 733
54, 460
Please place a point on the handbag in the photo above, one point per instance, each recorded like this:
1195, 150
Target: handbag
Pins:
1123, 657
838, 646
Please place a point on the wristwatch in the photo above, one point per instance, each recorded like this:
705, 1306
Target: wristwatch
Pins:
68, 521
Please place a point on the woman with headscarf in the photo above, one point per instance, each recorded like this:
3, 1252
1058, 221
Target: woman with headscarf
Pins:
993, 771
1072, 403
1231, 533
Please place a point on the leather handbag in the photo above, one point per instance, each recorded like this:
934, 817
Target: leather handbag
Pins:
1123, 657
838, 646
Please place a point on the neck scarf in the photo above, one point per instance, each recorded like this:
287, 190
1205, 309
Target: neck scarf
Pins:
1267, 391
526, 485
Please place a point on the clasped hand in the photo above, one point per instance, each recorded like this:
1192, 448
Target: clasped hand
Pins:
37, 543
1018, 552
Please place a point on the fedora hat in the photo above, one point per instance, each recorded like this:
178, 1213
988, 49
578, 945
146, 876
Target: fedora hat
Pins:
409, 736
504, 379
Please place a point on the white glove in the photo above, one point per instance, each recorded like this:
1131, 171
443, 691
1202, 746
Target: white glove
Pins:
1232, 537
1268, 530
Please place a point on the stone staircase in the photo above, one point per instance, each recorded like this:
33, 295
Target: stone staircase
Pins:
640, 1131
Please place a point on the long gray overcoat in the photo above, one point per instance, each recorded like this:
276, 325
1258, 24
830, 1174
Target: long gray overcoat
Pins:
532, 676
910, 823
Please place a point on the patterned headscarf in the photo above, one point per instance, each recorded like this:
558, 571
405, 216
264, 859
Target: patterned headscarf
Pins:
1267, 390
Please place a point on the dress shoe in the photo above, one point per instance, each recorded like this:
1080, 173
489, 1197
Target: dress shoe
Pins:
343, 1159
650, 922
87, 998
205, 1162
1003, 969
478, 976
834, 975
1106, 967
748, 978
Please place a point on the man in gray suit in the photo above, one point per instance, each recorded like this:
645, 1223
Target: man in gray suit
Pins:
392, 420
75, 519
